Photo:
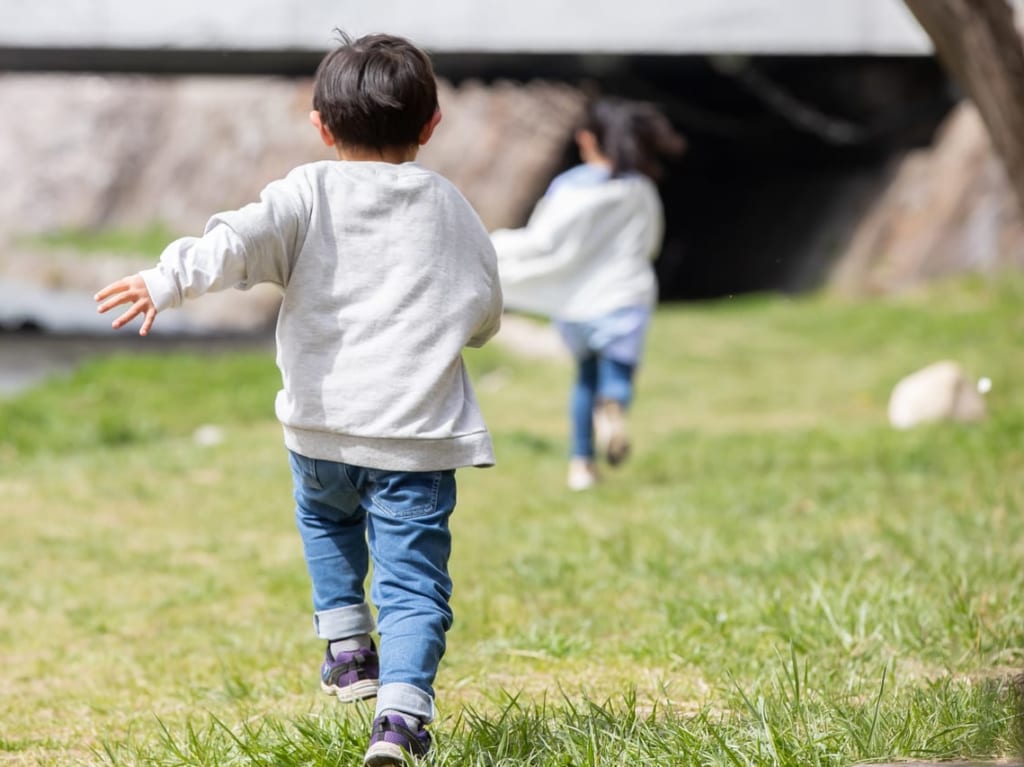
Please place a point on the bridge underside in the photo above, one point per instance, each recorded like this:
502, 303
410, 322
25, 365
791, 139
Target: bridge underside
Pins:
785, 152
694, 27
793, 109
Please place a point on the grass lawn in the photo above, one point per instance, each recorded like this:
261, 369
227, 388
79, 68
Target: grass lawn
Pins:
150, 239
776, 577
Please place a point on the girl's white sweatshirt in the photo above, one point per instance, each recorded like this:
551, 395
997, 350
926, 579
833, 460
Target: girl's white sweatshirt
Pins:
585, 252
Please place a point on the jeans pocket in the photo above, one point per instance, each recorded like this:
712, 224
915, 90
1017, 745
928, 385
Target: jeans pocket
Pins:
407, 494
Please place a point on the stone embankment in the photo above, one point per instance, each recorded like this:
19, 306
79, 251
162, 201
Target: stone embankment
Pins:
88, 152
947, 209
125, 152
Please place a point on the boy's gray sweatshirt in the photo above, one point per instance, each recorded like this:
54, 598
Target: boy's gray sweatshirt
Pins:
387, 274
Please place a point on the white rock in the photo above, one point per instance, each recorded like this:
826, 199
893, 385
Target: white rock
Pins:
940, 392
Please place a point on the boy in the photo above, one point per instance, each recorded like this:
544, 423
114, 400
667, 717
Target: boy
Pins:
387, 274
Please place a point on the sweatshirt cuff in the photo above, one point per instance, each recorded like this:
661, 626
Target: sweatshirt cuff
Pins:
161, 287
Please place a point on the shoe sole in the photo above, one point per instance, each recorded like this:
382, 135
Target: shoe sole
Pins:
350, 693
618, 450
611, 434
386, 755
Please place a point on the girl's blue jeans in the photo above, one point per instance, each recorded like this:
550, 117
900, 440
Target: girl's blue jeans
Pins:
607, 350
349, 515
597, 377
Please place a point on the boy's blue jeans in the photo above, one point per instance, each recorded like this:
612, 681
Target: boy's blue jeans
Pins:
347, 515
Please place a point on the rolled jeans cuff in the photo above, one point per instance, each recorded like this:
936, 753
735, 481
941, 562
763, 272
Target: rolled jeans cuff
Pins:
344, 622
406, 699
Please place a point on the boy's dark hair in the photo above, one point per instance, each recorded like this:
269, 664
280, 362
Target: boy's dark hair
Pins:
634, 135
377, 91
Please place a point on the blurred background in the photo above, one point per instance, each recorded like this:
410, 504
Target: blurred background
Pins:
828, 148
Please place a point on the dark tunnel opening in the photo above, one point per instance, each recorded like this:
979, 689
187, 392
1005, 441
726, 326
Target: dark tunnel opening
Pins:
785, 153
767, 197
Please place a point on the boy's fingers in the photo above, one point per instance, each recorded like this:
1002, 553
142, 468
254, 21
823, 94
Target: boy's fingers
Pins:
130, 314
116, 294
115, 287
123, 319
128, 290
147, 323
118, 300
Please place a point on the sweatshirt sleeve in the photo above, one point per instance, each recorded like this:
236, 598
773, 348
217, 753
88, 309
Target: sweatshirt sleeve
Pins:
495, 302
561, 233
241, 248
538, 262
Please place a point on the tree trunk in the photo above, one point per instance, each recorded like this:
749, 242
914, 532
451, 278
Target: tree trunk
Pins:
978, 43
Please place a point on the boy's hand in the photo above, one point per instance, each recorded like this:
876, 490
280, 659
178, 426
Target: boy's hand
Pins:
128, 290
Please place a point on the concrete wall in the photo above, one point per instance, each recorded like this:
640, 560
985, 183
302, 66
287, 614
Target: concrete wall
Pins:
560, 26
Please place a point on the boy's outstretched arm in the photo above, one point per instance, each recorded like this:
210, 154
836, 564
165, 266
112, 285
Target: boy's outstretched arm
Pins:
238, 249
128, 290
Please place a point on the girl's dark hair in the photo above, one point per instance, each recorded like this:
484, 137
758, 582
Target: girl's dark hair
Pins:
377, 91
634, 135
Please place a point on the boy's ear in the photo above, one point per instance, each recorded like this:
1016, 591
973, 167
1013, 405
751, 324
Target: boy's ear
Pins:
325, 133
428, 129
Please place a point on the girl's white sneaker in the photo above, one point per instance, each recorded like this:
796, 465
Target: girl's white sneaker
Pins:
582, 474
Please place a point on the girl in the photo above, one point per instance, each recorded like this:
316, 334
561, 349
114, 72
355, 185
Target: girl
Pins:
584, 259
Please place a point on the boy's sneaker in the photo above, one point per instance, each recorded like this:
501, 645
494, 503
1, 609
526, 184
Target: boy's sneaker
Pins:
352, 675
610, 432
392, 743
